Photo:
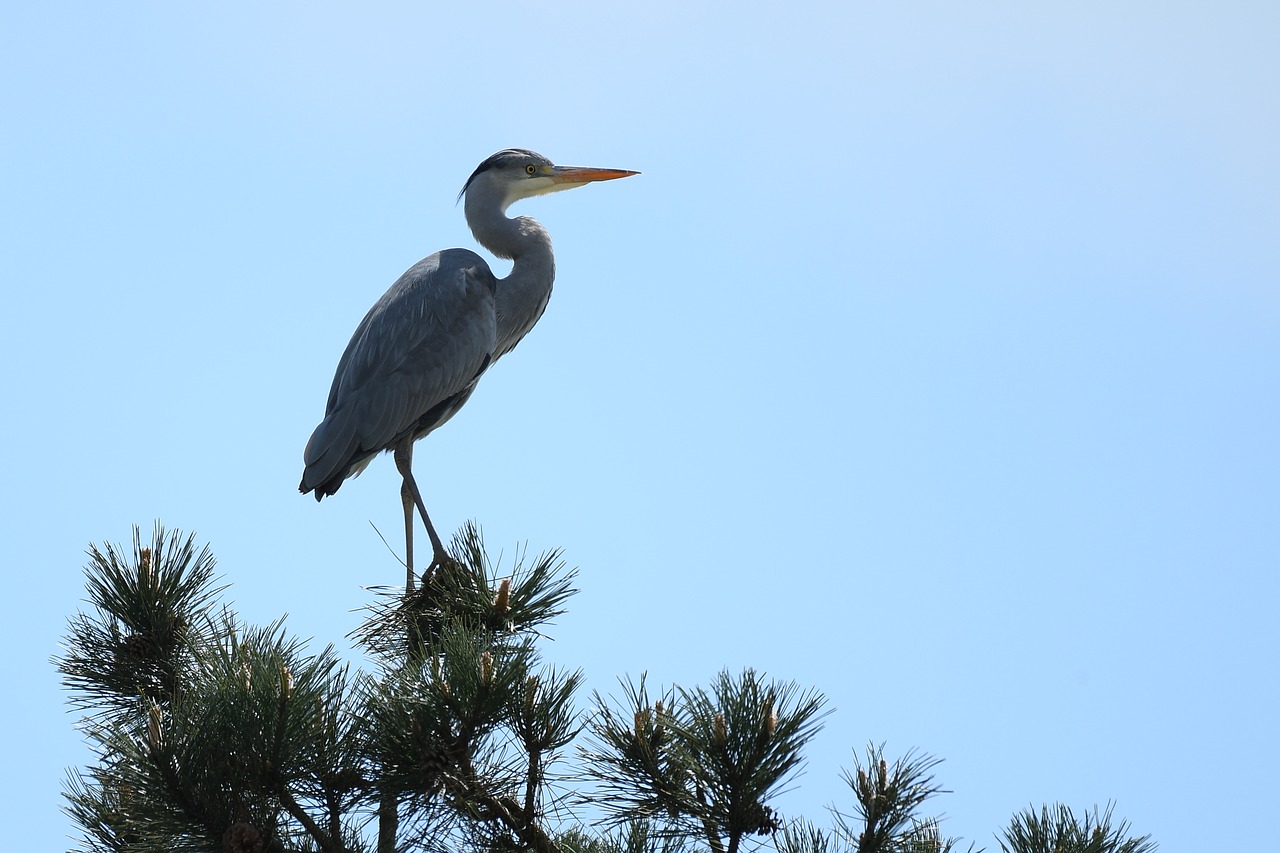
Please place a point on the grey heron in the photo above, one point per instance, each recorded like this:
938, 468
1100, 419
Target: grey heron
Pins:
417, 355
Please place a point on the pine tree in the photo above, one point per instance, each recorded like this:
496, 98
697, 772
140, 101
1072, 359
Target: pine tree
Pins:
1058, 830
212, 735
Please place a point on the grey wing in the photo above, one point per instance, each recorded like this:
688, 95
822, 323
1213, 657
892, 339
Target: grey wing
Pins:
410, 365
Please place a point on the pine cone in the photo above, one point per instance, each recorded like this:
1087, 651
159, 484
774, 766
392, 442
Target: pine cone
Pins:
241, 837
136, 646
764, 820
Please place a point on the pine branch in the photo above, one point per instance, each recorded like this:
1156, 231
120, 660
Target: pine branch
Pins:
888, 799
151, 608
215, 736
703, 762
1058, 830
471, 592
635, 760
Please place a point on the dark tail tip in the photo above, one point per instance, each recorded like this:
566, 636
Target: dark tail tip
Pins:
321, 491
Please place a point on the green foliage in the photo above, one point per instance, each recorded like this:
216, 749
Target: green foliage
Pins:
800, 836
703, 762
207, 731
211, 735
888, 798
1057, 830
466, 724
471, 593
132, 648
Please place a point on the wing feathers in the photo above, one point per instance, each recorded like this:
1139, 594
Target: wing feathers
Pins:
424, 342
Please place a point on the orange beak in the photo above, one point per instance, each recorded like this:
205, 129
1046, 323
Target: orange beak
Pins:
579, 175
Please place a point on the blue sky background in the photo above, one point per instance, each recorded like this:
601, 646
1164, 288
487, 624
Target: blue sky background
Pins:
932, 362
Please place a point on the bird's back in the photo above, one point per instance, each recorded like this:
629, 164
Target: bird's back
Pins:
411, 364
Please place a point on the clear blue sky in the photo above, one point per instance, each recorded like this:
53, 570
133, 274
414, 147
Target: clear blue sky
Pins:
932, 362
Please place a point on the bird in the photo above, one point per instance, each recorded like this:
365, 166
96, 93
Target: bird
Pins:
415, 358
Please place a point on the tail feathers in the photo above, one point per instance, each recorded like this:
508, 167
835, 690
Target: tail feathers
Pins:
329, 456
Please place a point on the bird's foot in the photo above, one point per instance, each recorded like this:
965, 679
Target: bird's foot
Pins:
442, 565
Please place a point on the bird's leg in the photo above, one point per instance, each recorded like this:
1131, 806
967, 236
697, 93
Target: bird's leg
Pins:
409, 492
406, 498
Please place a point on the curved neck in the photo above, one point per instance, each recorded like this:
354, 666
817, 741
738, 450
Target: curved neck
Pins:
523, 295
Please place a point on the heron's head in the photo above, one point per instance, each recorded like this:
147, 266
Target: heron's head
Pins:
516, 173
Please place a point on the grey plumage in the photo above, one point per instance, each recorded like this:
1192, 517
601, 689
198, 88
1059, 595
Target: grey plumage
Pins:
416, 357
424, 344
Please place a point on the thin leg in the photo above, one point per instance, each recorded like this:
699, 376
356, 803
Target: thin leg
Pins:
404, 464
406, 498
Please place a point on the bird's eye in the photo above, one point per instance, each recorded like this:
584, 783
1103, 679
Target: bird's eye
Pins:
531, 169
